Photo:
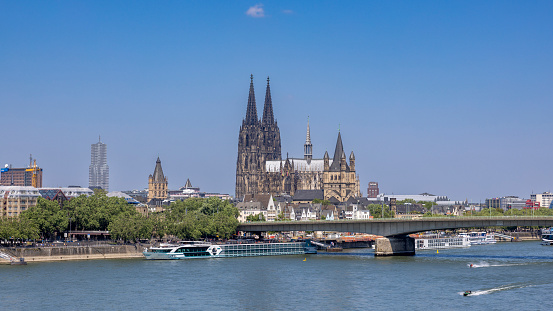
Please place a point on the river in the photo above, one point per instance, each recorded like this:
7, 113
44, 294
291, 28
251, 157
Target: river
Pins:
505, 276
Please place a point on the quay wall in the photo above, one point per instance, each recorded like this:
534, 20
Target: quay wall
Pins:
55, 253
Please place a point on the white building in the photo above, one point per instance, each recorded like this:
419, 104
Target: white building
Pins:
16, 199
544, 199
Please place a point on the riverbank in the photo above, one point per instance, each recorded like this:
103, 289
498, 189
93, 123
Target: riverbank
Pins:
65, 253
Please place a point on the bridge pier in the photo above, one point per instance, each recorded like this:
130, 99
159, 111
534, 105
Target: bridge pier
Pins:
402, 245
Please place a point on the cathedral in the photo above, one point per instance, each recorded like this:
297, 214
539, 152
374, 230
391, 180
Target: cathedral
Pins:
261, 169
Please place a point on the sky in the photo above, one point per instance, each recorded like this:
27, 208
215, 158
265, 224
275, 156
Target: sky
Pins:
451, 98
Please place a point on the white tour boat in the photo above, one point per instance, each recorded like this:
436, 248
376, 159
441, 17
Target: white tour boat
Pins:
436, 241
205, 250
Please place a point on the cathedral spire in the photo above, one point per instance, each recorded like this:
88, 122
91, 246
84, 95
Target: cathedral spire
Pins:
308, 147
251, 112
268, 108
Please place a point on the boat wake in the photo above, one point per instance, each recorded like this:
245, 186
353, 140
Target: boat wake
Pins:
497, 289
484, 264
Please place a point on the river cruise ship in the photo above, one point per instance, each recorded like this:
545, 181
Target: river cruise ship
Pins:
435, 241
480, 238
204, 250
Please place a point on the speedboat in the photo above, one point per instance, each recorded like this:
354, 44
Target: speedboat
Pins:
467, 293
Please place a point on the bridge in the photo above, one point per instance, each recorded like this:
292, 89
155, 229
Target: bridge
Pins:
395, 231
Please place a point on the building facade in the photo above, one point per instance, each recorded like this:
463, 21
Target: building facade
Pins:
22, 177
157, 183
372, 190
98, 171
544, 199
16, 199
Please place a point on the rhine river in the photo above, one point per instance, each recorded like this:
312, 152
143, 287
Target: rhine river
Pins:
506, 276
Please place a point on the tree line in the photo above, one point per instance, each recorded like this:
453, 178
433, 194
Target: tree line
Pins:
193, 219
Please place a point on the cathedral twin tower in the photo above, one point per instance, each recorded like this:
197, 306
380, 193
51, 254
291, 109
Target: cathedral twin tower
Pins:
260, 168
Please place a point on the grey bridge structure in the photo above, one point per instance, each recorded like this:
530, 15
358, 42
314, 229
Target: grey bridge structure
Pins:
395, 231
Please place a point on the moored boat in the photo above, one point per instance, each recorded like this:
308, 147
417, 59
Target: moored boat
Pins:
547, 236
480, 238
436, 241
204, 250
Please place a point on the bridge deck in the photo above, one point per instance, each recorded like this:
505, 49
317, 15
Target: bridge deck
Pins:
395, 226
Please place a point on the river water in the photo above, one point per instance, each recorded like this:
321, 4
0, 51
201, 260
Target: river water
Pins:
505, 276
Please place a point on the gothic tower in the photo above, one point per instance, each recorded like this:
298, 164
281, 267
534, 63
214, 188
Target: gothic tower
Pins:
157, 183
270, 144
258, 142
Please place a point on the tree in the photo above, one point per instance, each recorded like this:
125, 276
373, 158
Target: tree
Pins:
48, 217
376, 211
256, 217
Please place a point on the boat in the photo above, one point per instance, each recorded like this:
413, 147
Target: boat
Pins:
467, 293
206, 250
437, 241
547, 236
480, 237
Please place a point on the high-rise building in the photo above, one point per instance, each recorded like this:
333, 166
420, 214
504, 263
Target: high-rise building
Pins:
98, 171
372, 190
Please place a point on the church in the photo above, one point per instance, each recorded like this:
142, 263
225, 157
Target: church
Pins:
261, 169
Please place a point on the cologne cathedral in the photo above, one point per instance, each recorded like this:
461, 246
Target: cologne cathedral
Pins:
261, 169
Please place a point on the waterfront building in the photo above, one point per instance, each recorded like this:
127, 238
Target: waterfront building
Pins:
157, 184
25, 177
98, 171
61, 195
493, 203
372, 189
16, 199
544, 199
511, 202
426, 197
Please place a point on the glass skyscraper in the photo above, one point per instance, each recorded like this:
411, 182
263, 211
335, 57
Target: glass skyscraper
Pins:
98, 171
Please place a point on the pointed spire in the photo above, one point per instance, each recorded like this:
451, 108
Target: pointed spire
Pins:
158, 172
308, 147
268, 108
338, 152
188, 184
308, 138
251, 112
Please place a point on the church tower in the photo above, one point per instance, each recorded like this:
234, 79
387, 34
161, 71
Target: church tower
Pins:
157, 183
258, 142
270, 144
339, 179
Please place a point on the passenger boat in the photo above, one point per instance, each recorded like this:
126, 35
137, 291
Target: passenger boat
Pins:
206, 250
547, 236
480, 237
436, 241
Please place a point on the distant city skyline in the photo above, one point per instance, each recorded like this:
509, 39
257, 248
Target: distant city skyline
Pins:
450, 98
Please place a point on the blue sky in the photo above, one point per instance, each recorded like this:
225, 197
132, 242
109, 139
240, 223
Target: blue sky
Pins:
447, 97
